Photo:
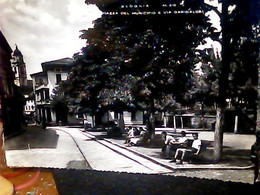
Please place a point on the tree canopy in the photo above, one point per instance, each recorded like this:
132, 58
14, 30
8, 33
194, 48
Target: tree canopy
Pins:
139, 61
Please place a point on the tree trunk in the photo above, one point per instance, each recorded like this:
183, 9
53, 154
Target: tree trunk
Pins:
151, 122
150, 128
93, 120
223, 83
122, 122
258, 117
236, 124
203, 118
218, 136
258, 103
151, 125
164, 119
182, 126
174, 123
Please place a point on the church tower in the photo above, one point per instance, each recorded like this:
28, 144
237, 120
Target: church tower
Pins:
19, 68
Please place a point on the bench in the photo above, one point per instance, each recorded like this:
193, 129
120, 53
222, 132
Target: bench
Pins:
199, 155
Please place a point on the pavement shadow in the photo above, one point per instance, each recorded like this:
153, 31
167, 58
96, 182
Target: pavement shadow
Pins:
230, 156
105, 136
74, 126
33, 137
236, 157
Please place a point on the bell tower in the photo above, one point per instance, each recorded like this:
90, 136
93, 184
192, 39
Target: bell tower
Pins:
19, 68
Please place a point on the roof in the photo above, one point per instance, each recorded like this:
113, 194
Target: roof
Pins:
63, 61
17, 52
38, 74
64, 64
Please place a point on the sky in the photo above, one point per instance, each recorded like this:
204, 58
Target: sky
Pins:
45, 30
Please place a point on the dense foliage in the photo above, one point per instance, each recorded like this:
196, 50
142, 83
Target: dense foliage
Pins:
139, 61
151, 61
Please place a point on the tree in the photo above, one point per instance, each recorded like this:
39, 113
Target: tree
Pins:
59, 104
235, 72
140, 46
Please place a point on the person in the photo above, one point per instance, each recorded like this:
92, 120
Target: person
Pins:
138, 139
130, 134
168, 141
194, 149
142, 131
183, 140
136, 131
255, 157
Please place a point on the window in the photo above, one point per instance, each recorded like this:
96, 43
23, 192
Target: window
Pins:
58, 70
39, 81
58, 78
42, 95
47, 94
38, 96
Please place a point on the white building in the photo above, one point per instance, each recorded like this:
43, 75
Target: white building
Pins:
53, 72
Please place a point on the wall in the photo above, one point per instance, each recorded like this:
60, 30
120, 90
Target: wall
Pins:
51, 75
127, 117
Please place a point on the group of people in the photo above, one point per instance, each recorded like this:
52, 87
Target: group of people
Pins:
179, 146
135, 135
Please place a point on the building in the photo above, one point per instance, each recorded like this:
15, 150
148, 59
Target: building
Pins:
20, 79
19, 68
53, 73
12, 100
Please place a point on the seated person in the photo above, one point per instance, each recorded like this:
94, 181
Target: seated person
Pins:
195, 148
168, 141
138, 139
182, 142
130, 134
136, 131
171, 144
142, 131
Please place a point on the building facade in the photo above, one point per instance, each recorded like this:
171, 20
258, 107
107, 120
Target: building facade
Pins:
12, 100
54, 72
19, 68
20, 79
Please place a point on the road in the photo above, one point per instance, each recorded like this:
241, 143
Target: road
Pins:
105, 155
